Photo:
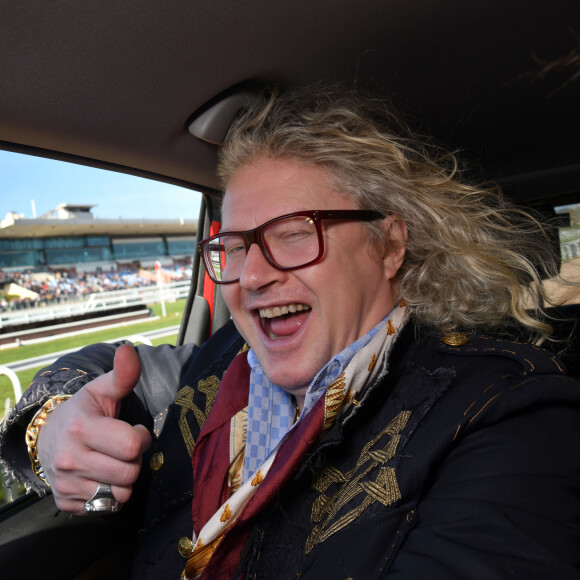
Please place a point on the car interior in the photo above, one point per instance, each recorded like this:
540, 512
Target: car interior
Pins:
150, 89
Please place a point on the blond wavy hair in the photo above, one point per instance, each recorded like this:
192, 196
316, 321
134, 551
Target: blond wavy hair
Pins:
473, 260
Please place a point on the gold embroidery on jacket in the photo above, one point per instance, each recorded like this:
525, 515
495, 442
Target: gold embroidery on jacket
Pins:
357, 482
333, 400
185, 399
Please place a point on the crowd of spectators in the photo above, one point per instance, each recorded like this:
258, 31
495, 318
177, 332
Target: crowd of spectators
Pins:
64, 286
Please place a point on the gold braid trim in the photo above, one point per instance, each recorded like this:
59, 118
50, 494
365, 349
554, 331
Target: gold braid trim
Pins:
333, 400
185, 399
328, 515
33, 430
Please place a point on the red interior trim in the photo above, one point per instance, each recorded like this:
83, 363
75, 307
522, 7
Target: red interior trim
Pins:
208, 285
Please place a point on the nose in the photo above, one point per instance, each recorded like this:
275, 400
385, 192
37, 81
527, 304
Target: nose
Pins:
257, 271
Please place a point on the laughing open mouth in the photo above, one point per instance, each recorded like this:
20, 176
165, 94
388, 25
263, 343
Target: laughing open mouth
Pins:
284, 320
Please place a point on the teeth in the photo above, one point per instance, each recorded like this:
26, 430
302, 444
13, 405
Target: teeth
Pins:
282, 310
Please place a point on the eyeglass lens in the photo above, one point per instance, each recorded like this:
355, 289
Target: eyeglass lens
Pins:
290, 242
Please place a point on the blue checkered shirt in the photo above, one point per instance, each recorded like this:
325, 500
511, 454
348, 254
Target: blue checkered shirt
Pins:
271, 410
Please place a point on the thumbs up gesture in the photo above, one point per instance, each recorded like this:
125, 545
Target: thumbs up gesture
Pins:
82, 443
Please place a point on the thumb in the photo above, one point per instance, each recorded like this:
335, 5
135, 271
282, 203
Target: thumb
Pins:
113, 387
126, 371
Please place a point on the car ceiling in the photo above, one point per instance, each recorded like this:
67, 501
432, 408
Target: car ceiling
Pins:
115, 84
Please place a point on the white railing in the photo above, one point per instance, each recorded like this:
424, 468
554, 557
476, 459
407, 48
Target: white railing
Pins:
99, 302
16, 387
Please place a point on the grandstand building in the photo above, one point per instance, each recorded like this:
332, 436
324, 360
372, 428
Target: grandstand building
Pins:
71, 238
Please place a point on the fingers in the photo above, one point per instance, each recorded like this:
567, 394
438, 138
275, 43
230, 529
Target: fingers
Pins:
74, 494
108, 451
75, 485
119, 440
145, 437
74, 482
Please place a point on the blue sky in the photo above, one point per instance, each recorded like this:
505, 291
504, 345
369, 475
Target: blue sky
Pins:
24, 178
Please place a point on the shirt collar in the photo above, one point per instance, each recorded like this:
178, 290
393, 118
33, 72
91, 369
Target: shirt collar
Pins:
329, 373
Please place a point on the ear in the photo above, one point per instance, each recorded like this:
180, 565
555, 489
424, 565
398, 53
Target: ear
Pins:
397, 245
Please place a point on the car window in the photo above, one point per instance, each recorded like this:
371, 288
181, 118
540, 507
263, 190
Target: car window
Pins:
86, 255
569, 292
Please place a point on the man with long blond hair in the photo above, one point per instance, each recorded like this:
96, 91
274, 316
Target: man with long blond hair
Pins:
384, 412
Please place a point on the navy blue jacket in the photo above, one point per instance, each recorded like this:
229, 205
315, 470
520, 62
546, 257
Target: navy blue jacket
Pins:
462, 463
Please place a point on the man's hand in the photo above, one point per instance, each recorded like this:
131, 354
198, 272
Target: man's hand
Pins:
83, 443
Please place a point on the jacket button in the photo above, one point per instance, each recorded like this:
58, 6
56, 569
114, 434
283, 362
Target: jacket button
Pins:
455, 339
185, 546
156, 461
